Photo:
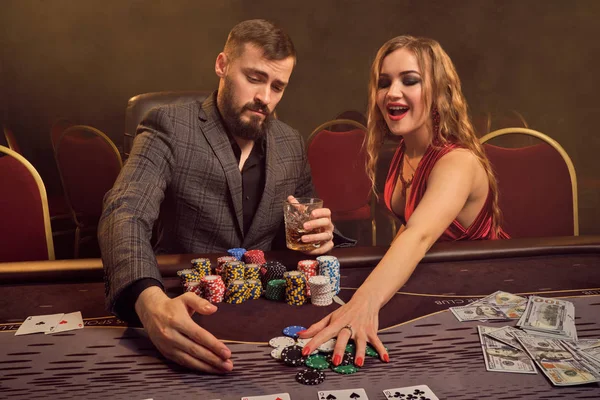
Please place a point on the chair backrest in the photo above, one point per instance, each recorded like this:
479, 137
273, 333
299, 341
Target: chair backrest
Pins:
139, 105
58, 128
25, 232
537, 186
88, 163
338, 161
11, 139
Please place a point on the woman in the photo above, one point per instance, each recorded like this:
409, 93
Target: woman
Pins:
439, 182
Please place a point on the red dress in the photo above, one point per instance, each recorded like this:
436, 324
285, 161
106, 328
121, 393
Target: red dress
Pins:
481, 228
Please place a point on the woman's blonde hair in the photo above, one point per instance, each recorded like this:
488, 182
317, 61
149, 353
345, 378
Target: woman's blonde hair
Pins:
442, 93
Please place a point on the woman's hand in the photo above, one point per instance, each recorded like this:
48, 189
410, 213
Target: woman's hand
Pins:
357, 320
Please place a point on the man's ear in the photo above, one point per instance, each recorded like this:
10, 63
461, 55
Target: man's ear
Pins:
221, 65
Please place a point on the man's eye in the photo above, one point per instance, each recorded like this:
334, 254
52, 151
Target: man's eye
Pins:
277, 89
252, 79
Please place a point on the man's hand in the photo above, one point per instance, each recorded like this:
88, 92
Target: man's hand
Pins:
323, 230
174, 333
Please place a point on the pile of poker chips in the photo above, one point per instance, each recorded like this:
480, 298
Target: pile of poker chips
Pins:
192, 286
221, 262
322, 294
237, 291
237, 252
255, 257
289, 351
254, 290
275, 289
232, 270
201, 266
330, 266
252, 271
213, 288
310, 269
295, 288
272, 270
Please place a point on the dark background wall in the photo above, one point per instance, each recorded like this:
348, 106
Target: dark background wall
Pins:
83, 60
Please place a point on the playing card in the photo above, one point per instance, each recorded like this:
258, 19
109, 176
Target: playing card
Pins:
421, 392
38, 323
348, 394
68, 322
278, 396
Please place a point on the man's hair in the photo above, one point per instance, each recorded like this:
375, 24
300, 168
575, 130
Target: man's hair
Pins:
274, 42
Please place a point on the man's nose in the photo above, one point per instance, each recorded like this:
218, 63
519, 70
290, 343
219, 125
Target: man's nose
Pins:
264, 95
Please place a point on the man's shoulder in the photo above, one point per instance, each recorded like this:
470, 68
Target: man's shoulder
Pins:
284, 131
188, 107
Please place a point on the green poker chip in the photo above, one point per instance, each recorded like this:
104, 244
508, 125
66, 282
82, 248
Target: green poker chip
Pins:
346, 369
350, 348
370, 351
317, 361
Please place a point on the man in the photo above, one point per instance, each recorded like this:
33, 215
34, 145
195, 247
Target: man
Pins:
215, 175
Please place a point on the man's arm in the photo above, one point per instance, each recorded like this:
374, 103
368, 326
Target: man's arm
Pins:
130, 209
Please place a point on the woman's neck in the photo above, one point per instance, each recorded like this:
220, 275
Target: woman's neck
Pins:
416, 143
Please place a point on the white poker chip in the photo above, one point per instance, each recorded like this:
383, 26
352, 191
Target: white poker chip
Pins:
282, 341
328, 346
276, 353
302, 342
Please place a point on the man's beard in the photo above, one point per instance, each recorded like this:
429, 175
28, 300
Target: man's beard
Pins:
253, 129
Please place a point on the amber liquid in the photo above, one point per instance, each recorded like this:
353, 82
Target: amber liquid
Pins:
293, 238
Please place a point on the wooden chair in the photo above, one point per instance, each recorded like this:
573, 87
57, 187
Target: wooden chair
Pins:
537, 185
25, 231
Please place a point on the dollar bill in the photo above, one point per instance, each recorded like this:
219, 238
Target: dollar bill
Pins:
504, 335
510, 304
502, 358
477, 312
552, 318
557, 361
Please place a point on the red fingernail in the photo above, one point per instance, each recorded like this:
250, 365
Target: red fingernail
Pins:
305, 351
359, 361
336, 360
300, 332
386, 358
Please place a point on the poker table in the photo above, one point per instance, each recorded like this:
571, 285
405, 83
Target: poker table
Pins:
427, 345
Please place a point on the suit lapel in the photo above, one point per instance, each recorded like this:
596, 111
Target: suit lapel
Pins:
216, 137
263, 212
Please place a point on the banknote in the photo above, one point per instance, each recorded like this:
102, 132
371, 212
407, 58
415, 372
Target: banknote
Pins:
552, 318
510, 304
557, 361
504, 335
502, 358
477, 312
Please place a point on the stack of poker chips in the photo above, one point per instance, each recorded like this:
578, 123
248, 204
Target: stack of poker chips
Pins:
202, 266
322, 295
275, 289
252, 271
237, 252
237, 291
295, 288
272, 270
254, 289
254, 257
329, 266
221, 263
232, 270
309, 268
194, 287
213, 288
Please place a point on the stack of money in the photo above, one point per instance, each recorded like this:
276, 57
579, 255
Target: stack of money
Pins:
500, 356
563, 365
497, 306
550, 318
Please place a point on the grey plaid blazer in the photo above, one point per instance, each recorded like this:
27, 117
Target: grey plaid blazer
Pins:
182, 170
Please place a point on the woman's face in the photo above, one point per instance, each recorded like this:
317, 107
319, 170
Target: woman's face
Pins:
400, 94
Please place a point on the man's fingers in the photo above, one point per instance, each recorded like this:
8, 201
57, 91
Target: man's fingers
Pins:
182, 358
198, 304
320, 250
321, 213
199, 351
204, 338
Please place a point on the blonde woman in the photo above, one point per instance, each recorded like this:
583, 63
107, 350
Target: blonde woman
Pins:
440, 183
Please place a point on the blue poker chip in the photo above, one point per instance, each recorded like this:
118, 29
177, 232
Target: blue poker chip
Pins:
237, 252
292, 331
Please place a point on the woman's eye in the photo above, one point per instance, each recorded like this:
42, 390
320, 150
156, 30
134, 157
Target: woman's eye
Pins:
383, 83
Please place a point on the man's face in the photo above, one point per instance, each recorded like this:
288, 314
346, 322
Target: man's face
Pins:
251, 86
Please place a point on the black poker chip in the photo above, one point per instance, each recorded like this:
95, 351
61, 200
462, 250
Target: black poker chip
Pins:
292, 356
310, 376
347, 359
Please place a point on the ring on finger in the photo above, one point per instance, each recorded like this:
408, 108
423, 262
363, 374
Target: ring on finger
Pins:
349, 327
